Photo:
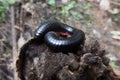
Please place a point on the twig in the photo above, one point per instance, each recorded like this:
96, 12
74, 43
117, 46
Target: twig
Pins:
115, 3
22, 15
14, 50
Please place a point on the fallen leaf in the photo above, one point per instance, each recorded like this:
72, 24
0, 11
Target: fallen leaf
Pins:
29, 7
105, 5
115, 33
64, 1
116, 37
21, 42
114, 11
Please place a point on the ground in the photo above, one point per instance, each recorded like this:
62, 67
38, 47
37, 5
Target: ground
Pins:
96, 18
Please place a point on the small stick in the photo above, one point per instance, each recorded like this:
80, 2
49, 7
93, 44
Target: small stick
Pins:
14, 50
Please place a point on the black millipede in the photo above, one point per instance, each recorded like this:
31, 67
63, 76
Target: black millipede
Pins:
47, 32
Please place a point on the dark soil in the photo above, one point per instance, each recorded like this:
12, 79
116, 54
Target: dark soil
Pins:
28, 16
37, 62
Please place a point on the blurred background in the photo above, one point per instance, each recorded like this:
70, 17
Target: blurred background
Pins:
99, 19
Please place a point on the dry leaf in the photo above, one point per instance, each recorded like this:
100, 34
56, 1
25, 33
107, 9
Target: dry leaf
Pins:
115, 35
114, 11
105, 5
21, 42
64, 1
115, 32
29, 7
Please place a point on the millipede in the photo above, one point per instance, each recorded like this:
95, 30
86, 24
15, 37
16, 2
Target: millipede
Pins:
60, 37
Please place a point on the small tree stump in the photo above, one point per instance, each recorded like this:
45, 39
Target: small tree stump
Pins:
37, 62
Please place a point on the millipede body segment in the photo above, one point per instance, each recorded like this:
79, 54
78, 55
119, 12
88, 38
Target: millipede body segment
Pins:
48, 32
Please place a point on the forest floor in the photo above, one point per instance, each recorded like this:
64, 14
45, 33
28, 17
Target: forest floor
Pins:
99, 20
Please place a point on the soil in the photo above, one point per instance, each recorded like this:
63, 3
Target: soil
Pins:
38, 62
27, 20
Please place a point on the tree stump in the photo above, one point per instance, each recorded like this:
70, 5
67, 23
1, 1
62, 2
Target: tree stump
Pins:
37, 62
